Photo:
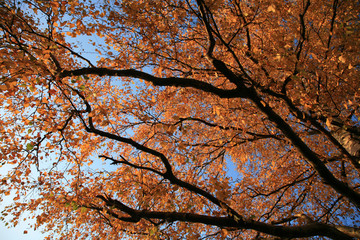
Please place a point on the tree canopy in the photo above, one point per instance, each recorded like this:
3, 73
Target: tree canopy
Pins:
181, 119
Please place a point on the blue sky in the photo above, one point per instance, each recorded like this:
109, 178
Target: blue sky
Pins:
17, 233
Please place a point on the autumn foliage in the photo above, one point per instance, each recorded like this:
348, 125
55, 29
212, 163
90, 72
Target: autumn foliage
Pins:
181, 119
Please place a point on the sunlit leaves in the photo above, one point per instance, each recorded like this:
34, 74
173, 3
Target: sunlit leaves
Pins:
164, 142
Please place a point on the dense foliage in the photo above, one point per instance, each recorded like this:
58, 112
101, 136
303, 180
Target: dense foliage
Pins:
181, 119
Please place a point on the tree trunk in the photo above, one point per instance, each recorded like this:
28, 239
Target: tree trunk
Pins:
348, 137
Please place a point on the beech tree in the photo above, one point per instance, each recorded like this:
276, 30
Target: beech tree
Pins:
182, 119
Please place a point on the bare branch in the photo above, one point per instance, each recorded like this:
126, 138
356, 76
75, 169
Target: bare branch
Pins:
171, 81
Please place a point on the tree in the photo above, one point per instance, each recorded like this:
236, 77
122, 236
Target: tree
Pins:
220, 118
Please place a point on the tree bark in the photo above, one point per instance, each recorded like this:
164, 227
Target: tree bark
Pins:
348, 138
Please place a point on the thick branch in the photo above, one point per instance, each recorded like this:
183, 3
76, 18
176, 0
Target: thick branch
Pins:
308, 230
157, 81
306, 117
308, 154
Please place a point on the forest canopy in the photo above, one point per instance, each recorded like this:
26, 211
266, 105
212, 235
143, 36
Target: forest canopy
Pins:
181, 119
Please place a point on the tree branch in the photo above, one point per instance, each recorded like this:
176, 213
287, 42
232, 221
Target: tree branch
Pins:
308, 230
157, 81
308, 154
